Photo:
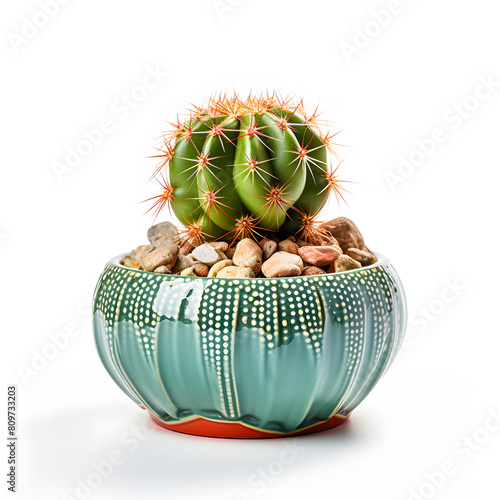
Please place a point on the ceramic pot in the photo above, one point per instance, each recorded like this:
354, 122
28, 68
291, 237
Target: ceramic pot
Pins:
248, 358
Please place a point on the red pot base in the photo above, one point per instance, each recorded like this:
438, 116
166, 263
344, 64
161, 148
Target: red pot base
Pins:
209, 428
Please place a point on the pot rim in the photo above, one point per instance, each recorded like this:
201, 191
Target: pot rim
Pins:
381, 260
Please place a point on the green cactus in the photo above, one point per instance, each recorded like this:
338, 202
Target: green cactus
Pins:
239, 168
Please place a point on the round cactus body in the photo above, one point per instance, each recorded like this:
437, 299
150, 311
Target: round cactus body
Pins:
239, 168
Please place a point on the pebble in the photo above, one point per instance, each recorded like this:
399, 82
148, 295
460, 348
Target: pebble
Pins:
236, 272
363, 257
130, 262
366, 249
248, 254
319, 255
163, 234
189, 271
337, 247
282, 264
288, 246
162, 270
182, 263
280, 269
312, 270
165, 256
186, 248
208, 255
141, 251
344, 263
345, 232
201, 270
268, 248
217, 267
221, 245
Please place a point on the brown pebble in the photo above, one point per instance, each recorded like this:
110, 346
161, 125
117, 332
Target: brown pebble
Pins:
268, 248
282, 264
276, 269
130, 262
218, 266
288, 246
248, 254
344, 263
236, 272
201, 270
186, 248
312, 270
221, 245
302, 243
345, 232
319, 255
363, 257
163, 234
230, 252
165, 256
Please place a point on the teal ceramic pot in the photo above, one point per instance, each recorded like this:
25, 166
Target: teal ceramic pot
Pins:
248, 357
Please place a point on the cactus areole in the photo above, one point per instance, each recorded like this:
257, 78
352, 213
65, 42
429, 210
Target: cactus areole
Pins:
238, 168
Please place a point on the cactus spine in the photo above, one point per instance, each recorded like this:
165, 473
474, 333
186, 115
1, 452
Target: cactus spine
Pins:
239, 168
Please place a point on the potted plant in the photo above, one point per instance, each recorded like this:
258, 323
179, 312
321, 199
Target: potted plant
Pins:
255, 319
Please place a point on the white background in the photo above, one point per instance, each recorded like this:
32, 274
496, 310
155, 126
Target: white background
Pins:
412, 74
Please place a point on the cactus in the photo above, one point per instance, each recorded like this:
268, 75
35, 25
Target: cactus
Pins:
242, 168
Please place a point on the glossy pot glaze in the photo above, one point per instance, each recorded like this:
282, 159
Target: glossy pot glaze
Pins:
248, 357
